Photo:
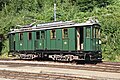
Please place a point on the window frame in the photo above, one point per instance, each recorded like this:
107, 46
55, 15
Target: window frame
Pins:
88, 32
94, 32
29, 35
64, 34
37, 35
42, 35
97, 30
53, 34
20, 36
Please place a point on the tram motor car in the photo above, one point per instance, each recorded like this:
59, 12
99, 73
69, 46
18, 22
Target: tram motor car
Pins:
60, 41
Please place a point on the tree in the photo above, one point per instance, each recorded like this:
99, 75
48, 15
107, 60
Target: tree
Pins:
3, 3
89, 5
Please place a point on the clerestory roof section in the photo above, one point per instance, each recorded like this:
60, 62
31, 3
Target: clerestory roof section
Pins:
54, 25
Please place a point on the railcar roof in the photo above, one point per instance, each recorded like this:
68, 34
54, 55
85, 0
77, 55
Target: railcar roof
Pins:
53, 25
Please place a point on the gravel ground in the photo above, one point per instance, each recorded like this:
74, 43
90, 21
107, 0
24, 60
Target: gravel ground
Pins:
102, 71
68, 72
14, 75
7, 79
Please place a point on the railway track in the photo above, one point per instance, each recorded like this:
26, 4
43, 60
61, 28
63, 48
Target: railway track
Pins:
102, 67
34, 76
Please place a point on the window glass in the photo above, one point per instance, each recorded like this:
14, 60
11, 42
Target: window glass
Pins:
29, 35
42, 34
53, 34
20, 36
65, 33
88, 32
93, 32
97, 33
37, 35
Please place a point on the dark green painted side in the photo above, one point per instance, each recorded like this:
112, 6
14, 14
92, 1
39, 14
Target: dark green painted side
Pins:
33, 40
69, 43
48, 40
37, 42
91, 39
72, 41
94, 44
98, 45
40, 43
87, 39
91, 43
21, 43
84, 43
45, 44
65, 44
58, 39
87, 45
25, 40
59, 43
31, 43
53, 44
17, 41
50, 44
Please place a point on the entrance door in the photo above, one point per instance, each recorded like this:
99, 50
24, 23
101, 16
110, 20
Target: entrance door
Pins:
37, 40
30, 40
80, 38
59, 39
87, 38
96, 38
40, 40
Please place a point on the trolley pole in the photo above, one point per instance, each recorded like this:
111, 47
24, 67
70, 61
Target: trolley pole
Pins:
54, 10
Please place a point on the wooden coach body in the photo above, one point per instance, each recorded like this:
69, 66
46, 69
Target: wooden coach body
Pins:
58, 40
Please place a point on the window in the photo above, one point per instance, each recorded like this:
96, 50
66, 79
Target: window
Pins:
88, 32
97, 33
53, 34
37, 35
65, 33
20, 36
42, 34
93, 32
29, 35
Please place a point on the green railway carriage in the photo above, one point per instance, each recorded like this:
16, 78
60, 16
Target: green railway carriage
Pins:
65, 41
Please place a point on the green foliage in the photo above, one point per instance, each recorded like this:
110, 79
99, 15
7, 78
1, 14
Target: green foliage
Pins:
3, 4
89, 5
5, 47
23, 12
